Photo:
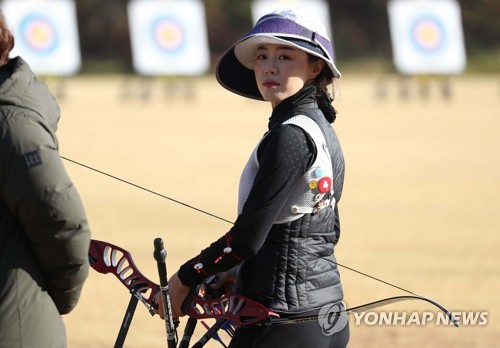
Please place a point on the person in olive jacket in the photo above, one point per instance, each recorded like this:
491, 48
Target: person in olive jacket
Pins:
44, 234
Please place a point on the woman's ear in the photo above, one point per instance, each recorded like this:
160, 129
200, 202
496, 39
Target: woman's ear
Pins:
318, 65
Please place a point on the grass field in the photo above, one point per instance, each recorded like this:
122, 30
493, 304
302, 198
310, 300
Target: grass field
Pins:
420, 205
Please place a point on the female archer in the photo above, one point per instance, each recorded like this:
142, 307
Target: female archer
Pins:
280, 251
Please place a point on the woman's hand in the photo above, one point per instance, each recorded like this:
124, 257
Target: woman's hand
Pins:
177, 293
223, 281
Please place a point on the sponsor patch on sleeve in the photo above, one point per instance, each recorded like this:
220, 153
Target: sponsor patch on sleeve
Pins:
33, 159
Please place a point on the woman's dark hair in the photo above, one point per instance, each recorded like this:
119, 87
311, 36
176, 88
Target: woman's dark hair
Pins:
6, 41
323, 97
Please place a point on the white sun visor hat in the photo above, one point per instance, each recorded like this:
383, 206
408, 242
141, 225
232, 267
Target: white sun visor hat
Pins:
234, 70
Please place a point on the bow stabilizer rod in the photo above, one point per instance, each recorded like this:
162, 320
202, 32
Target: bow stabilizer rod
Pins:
160, 255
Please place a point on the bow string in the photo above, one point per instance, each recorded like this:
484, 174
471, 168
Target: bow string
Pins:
107, 258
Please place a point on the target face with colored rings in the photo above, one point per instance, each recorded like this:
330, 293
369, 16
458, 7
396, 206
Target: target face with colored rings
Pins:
45, 33
428, 34
168, 34
39, 34
168, 37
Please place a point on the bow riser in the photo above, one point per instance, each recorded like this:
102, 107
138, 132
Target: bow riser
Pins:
239, 309
108, 258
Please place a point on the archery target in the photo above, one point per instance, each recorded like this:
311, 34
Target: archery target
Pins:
426, 36
45, 34
168, 37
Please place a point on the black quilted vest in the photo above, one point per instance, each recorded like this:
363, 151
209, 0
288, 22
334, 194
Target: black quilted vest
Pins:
295, 271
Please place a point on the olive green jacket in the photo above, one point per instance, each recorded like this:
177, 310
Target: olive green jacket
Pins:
44, 235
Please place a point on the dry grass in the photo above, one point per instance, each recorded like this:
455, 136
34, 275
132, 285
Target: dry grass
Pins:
419, 207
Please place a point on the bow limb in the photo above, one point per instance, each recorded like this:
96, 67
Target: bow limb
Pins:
367, 307
387, 301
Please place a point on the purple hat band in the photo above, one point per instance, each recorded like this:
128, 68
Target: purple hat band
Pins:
272, 24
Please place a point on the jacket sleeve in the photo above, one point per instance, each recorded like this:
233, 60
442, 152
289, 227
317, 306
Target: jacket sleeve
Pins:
38, 191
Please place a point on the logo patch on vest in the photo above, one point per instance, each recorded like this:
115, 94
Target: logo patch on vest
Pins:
33, 159
325, 184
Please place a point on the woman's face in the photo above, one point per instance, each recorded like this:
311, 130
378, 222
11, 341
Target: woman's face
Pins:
281, 71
